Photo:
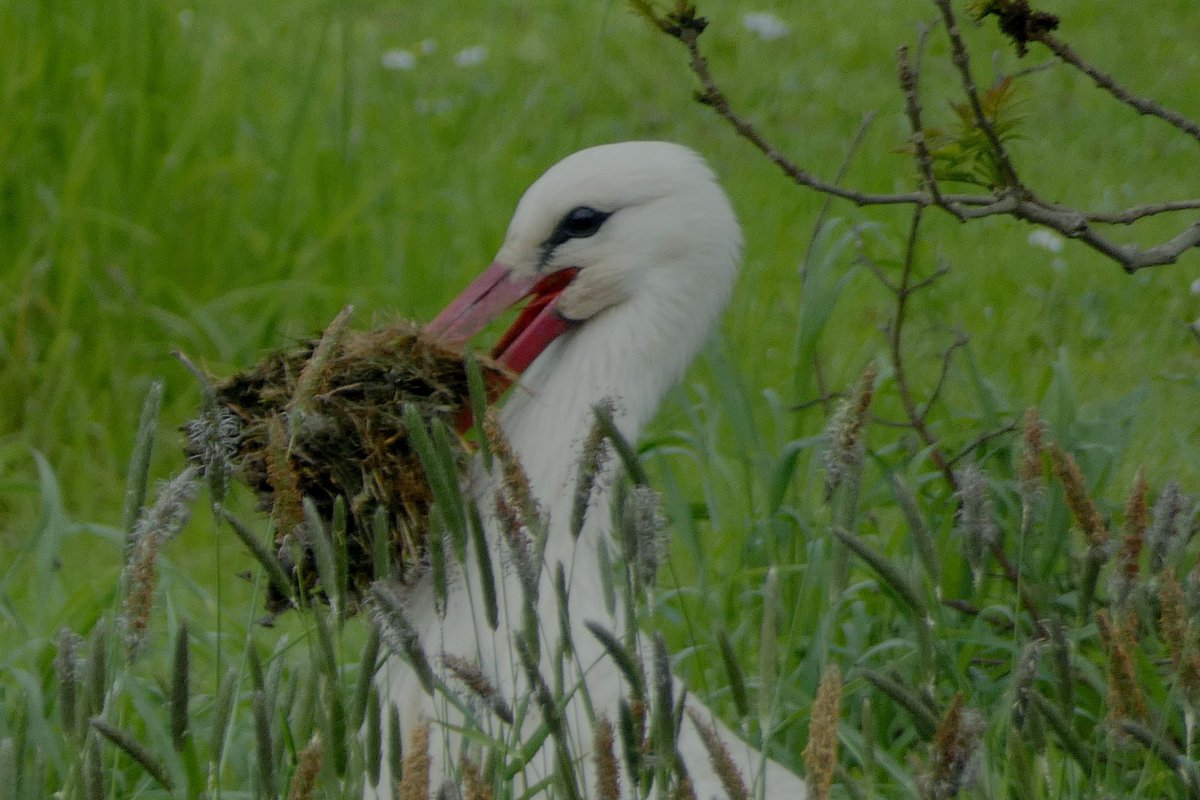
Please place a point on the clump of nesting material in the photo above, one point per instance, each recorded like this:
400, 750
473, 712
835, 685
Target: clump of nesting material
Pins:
325, 420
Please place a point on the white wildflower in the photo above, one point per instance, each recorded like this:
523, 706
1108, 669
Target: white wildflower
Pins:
765, 25
471, 56
1047, 240
397, 59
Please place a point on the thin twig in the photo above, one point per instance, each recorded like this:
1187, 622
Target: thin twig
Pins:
909, 83
896, 352
1109, 84
960, 341
981, 439
962, 61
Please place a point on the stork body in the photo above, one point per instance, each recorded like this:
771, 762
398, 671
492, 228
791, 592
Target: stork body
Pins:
651, 246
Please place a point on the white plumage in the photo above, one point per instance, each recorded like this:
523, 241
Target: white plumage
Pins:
656, 246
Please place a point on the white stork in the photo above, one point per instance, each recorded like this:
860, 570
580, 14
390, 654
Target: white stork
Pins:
629, 252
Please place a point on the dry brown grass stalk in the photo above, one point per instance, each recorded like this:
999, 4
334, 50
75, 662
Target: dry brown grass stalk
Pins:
719, 757
1133, 537
474, 786
286, 509
1029, 468
414, 783
1178, 634
608, 774
820, 754
308, 769
1125, 697
1079, 500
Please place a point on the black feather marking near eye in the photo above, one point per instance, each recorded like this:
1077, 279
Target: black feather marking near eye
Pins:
578, 223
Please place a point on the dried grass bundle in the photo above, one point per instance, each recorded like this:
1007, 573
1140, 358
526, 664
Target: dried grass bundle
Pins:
325, 421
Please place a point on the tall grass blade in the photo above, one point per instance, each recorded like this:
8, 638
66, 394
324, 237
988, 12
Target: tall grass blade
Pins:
886, 570
125, 742
626, 662
263, 744
395, 739
66, 666
483, 561
138, 479
479, 402
322, 548
373, 738
180, 689
906, 697
93, 768
262, 554
768, 661
366, 676
221, 715
733, 669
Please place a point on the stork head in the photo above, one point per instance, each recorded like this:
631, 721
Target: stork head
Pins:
612, 227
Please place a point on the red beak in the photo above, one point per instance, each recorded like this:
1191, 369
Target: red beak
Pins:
494, 292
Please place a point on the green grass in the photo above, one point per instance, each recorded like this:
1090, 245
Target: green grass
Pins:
221, 178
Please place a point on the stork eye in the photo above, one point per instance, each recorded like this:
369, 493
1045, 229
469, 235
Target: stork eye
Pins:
581, 222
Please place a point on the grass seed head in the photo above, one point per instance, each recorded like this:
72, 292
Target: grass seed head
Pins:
66, 666
1078, 499
473, 678
308, 769
820, 754
592, 457
1178, 634
1126, 700
719, 757
387, 612
845, 448
474, 786
414, 784
1125, 577
212, 439
683, 789
1023, 681
645, 527
954, 753
1163, 532
976, 518
1029, 468
608, 774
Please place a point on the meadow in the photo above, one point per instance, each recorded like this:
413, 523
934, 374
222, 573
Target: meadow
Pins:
220, 178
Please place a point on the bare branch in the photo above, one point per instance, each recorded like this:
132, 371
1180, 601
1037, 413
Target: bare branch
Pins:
1133, 214
912, 107
1015, 200
1109, 84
